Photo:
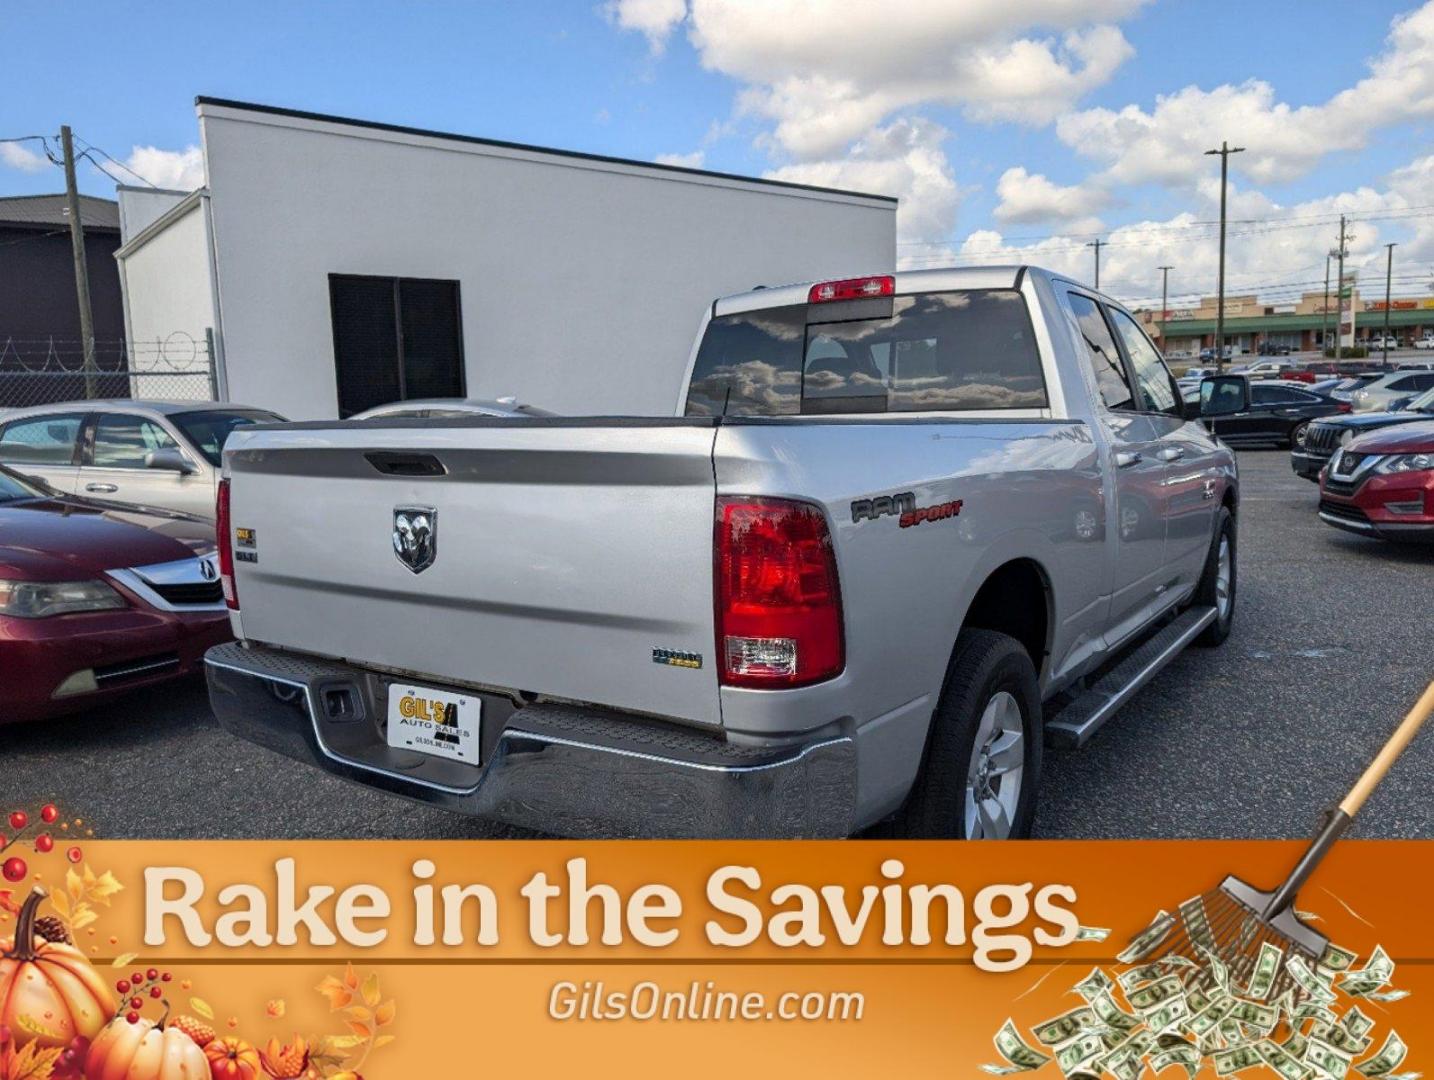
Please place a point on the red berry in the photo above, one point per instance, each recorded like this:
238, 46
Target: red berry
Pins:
122, 986
137, 978
48, 813
152, 974
132, 1017
165, 977
74, 854
155, 991
136, 1003
14, 869
44, 843
19, 819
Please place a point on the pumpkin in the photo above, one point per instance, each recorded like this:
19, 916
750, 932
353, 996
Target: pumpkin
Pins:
144, 1050
49, 994
232, 1058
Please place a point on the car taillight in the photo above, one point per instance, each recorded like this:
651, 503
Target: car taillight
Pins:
226, 546
857, 288
779, 621
1344, 406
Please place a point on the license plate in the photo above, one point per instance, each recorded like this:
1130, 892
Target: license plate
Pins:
435, 722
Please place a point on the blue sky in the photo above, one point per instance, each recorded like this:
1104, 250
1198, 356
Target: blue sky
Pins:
905, 97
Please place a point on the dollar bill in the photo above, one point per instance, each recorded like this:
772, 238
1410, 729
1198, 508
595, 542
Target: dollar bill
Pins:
1094, 984
1235, 1059
1335, 958
1376, 973
1197, 999
1391, 1055
1267, 966
1295, 1044
1151, 996
1080, 1052
1355, 1022
1112, 1015
1186, 1056
1021, 1057
1255, 1014
1148, 940
1208, 1019
1387, 995
1168, 1015
1281, 1060
1308, 981
1063, 1028
1313, 1010
1217, 969
1144, 973
1329, 1060
1197, 923
1092, 933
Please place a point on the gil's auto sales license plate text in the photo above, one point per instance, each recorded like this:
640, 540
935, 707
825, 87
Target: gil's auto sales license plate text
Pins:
436, 722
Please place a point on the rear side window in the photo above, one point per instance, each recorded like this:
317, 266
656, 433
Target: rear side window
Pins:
44, 440
935, 352
1101, 352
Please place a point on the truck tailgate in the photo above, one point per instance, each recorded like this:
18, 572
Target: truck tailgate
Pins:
566, 553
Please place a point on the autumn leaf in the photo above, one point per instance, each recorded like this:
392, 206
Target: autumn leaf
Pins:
101, 889
363, 1031
74, 885
123, 960
384, 1014
84, 915
7, 902
61, 903
351, 979
336, 1043
276, 1008
202, 1007
337, 993
33, 1063
371, 993
383, 1040
359, 1013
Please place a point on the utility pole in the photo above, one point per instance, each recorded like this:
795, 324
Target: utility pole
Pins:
1388, 277
1225, 151
1164, 292
1097, 243
1339, 253
82, 271
1324, 311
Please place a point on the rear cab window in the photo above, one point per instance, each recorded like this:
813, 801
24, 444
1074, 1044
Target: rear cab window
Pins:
958, 351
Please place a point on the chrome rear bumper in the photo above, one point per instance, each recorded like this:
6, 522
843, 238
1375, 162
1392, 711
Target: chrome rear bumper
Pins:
555, 768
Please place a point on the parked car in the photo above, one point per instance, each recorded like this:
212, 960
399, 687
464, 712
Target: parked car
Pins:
1424, 343
1195, 374
1348, 384
451, 408
97, 598
1324, 437
1375, 395
1270, 348
1325, 386
162, 454
910, 587
1276, 413
1382, 484
1379, 344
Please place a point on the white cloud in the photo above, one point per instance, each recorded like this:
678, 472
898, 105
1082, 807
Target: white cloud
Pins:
1283, 141
19, 156
654, 19
904, 159
1030, 197
182, 170
693, 160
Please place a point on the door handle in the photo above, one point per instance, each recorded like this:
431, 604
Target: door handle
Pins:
1170, 453
1124, 459
102, 489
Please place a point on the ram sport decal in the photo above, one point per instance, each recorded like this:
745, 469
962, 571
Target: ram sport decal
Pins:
904, 508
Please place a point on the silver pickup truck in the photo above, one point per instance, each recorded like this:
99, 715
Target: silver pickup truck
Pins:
903, 530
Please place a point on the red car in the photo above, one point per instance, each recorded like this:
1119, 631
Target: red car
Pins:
1382, 484
97, 598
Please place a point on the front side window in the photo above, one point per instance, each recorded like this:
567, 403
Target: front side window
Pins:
1100, 350
935, 352
43, 440
121, 442
207, 430
1152, 379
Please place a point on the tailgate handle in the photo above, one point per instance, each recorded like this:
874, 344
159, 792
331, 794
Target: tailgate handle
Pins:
393, 464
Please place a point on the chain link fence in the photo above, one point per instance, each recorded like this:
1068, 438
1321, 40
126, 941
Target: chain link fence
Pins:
43, 371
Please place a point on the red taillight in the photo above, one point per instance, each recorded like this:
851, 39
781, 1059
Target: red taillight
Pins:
778, 604
226, 546
857, 288
1344, 406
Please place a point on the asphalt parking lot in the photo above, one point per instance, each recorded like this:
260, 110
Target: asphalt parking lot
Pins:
1332, 643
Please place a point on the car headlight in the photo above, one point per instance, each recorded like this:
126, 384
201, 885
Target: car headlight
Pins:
1401, 463
1346, 438
41, 599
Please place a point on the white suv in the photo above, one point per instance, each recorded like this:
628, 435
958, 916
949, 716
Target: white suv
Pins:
1385, 389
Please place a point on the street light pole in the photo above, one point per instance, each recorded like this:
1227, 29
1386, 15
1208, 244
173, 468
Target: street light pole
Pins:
1164, 292
1324, 311
1097, 243
1388, 277
1225, 151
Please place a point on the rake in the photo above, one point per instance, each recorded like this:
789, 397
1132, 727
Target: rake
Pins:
1233, 921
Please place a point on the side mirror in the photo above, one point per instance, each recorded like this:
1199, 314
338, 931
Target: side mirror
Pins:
1224, 395
169, 459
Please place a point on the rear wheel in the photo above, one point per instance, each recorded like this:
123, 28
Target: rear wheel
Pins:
1217, 583
983, 754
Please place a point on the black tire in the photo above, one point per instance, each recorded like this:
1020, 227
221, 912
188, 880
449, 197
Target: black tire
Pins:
983, 666
1297, 434
1207, 593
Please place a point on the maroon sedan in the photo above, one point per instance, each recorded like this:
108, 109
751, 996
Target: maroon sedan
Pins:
97, 598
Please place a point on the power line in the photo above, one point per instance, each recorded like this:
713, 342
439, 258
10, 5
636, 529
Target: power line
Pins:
100, 150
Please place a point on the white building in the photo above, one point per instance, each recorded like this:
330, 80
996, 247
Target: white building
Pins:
341, 264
